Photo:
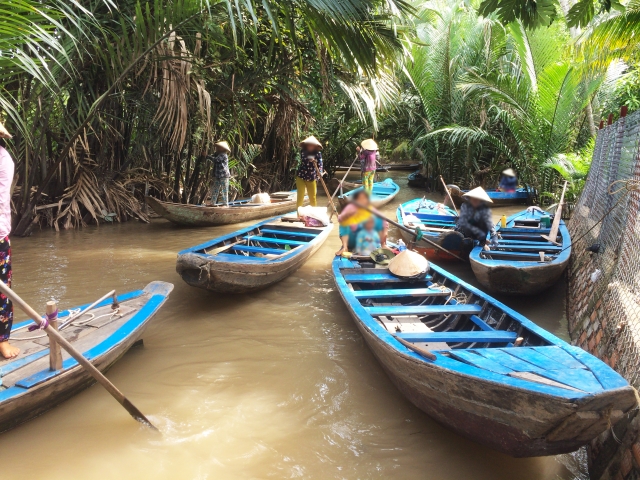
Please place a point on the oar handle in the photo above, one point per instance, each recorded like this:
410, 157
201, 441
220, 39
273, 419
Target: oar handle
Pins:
324, 186
86, 364
446, 189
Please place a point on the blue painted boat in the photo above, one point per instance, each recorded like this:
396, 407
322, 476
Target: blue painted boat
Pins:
417, 180
514, 266
28, 387
499, 198
383, 192
437, 222
494, 376
251, 258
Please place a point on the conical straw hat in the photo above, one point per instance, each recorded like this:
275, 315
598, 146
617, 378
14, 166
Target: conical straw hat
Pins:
4, 133
509, 172
369, 144
311, 141
478, 193
224, 145
408, 264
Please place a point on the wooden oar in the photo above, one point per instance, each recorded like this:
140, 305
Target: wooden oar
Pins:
420, 351
553, 234
217, 250
343, 178
446, 189
408, 230
86, 364
326, 190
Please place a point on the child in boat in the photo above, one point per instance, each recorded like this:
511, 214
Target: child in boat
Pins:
349, 230
367, 239
221, 175
509, 181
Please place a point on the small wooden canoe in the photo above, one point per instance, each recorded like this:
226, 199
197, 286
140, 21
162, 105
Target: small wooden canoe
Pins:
437, 223
542, 397
237, 211
383, 193
28, 388
500, 199
417, 180
514, 266
257, 257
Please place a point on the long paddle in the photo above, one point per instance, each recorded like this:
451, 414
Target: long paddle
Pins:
88, 366
553, 234
343, 178
326, 190
408, 230
446, 189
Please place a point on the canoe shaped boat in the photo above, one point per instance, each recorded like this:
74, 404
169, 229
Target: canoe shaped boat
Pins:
417, 180
499, 198
237, 211
383, 193
514, 266
437, 223
251, 258
29, 388
542, 397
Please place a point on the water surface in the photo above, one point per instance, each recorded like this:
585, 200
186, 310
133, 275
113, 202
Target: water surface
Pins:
277, 384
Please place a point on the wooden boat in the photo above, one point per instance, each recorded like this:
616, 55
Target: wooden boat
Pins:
334, 183
258, 256
437, 223
496, 377
387, 167
514, 265
29, 388
383, 193
499, 198
417, 180
237, 211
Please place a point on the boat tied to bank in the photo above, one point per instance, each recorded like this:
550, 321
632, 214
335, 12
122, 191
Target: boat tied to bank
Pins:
251, 258
477, 366
238, 211
29, 387
524, 261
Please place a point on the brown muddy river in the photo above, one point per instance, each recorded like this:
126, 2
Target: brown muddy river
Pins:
277, 384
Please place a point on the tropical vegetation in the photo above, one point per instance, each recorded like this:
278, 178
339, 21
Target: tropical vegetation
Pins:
109, 100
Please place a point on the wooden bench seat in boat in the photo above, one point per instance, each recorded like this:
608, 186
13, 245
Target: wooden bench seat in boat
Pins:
410, 324
266, 251
462, 309
275, 231
395, 292
376, 278
529, 248
513, 255
281, 241
496, 336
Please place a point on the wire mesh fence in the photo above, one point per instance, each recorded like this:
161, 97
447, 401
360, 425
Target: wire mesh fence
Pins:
603, 305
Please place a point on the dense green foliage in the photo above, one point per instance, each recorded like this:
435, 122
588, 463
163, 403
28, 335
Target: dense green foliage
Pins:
108, 99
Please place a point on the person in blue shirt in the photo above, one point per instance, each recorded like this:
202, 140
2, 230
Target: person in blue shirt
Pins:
508, 181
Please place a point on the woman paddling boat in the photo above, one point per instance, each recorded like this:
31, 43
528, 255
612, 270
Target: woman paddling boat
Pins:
221, 175
369, 158
475, 220
309, 170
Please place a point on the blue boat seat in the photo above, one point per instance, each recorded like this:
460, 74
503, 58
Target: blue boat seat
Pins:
530, 248
461, 337
257, 238
266, 251
377, 278
399, 310
274, 231
395, 292
481, 323
514, 255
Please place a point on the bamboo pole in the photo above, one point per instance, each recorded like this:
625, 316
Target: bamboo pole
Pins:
553, 234
55, 355
446, 189
408, 230
86, 364
343, 178
326, 190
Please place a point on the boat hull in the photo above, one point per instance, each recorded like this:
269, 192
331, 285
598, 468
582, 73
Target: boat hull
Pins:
452, 241
202, 216
499, 199
506, 419
17, 409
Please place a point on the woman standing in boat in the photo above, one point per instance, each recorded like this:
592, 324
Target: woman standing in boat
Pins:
310, 158
6, 308
475, 216
221, 174
369, 158
508, 181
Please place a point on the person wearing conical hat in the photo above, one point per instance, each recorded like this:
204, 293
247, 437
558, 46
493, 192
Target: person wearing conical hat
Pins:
369, 158
307, 175
508, 181
6, 308
221, 174
475, 219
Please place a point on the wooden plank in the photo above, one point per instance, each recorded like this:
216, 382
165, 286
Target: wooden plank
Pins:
21, 362
533, 377
377, 278
480, 361
481, 323
499, 355
542, 247
607, 377
266, 251
461, 337
560, 356
574, 377
536, 358
510, 255
280, 241
462, 309
275, 231
400, 292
